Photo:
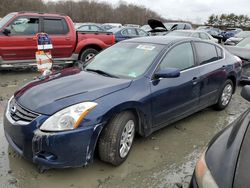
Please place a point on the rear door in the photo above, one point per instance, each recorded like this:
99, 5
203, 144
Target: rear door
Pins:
213, 71
62, 39
173, 97
21, 43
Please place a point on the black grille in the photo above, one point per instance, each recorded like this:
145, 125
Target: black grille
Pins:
19, 113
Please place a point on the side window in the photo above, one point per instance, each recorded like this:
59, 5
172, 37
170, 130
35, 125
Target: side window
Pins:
196, 35
24, 26
206, 53
219, 52
55, 26
204, 36
141, 32
187, 26
129, 32
95, 28
180, 57
83, 28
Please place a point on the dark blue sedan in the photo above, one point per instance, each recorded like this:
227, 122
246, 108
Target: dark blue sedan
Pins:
134, 87
128, 33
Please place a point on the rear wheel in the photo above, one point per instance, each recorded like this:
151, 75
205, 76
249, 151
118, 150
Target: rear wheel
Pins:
88, 54
225, 95
117, 138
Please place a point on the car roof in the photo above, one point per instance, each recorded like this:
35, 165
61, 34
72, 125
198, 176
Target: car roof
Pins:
189, 31
38, 13
164, 40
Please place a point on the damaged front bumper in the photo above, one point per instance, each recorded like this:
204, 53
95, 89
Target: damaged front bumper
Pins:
73, 148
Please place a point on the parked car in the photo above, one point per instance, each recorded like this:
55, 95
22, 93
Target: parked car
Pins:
242, 50
192, 33
127, 33
18, 39
132, 25
237, 38
91, 27
109, 26
135, 86
159, 28
214, 32
230, 32
225, 162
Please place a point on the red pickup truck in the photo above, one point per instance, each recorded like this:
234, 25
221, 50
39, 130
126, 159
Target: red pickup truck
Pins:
18, 42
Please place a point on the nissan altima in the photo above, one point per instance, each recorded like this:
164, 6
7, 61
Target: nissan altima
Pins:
134, 87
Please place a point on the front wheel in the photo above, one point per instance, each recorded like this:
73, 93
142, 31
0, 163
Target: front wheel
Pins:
225, 95
117, 138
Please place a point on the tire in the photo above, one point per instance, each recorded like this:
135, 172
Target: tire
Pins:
117, 134
225, 95
87, 54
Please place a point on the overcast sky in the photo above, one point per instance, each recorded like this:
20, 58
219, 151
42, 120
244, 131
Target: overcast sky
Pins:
196, 11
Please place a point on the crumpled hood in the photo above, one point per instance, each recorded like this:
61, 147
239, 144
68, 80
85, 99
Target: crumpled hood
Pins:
57, 92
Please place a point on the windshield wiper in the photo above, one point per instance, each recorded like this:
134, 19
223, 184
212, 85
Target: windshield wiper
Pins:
102, 73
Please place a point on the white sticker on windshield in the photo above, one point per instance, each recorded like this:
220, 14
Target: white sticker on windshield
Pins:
145, 47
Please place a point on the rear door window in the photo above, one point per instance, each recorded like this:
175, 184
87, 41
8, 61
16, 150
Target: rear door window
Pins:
206, 52
55, 26
181, 57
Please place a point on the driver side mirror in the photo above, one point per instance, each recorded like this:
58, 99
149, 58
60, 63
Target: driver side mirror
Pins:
6, 31
245, 92
167, 73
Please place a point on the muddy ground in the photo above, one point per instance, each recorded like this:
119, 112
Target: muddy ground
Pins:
165, 159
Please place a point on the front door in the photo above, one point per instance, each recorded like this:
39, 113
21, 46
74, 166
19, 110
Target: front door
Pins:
173, 97
21, 43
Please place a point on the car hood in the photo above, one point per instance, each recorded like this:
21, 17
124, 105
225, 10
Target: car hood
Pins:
155, 24
47, 96
239, 51
236, 39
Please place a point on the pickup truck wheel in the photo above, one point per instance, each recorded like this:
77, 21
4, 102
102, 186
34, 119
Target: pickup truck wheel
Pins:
225, 95
117, 138
88, 54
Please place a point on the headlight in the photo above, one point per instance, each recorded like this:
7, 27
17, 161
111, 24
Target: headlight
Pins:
203, 175
68, 118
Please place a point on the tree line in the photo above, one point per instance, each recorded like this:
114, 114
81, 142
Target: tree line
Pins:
229, 20
84, 10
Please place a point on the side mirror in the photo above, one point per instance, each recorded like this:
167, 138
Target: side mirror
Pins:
167, 73
245, 92
6, 31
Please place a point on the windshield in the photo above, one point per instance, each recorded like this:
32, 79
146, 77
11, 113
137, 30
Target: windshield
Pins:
179, 33
244, 43
243, 34
5, 19
125, 60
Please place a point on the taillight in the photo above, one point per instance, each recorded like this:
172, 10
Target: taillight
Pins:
239, 61
113, 39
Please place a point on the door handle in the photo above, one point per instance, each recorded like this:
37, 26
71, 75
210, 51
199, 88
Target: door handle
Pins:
195, 80
67, 38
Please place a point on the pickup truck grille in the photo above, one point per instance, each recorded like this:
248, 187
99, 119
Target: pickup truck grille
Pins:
18, 113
